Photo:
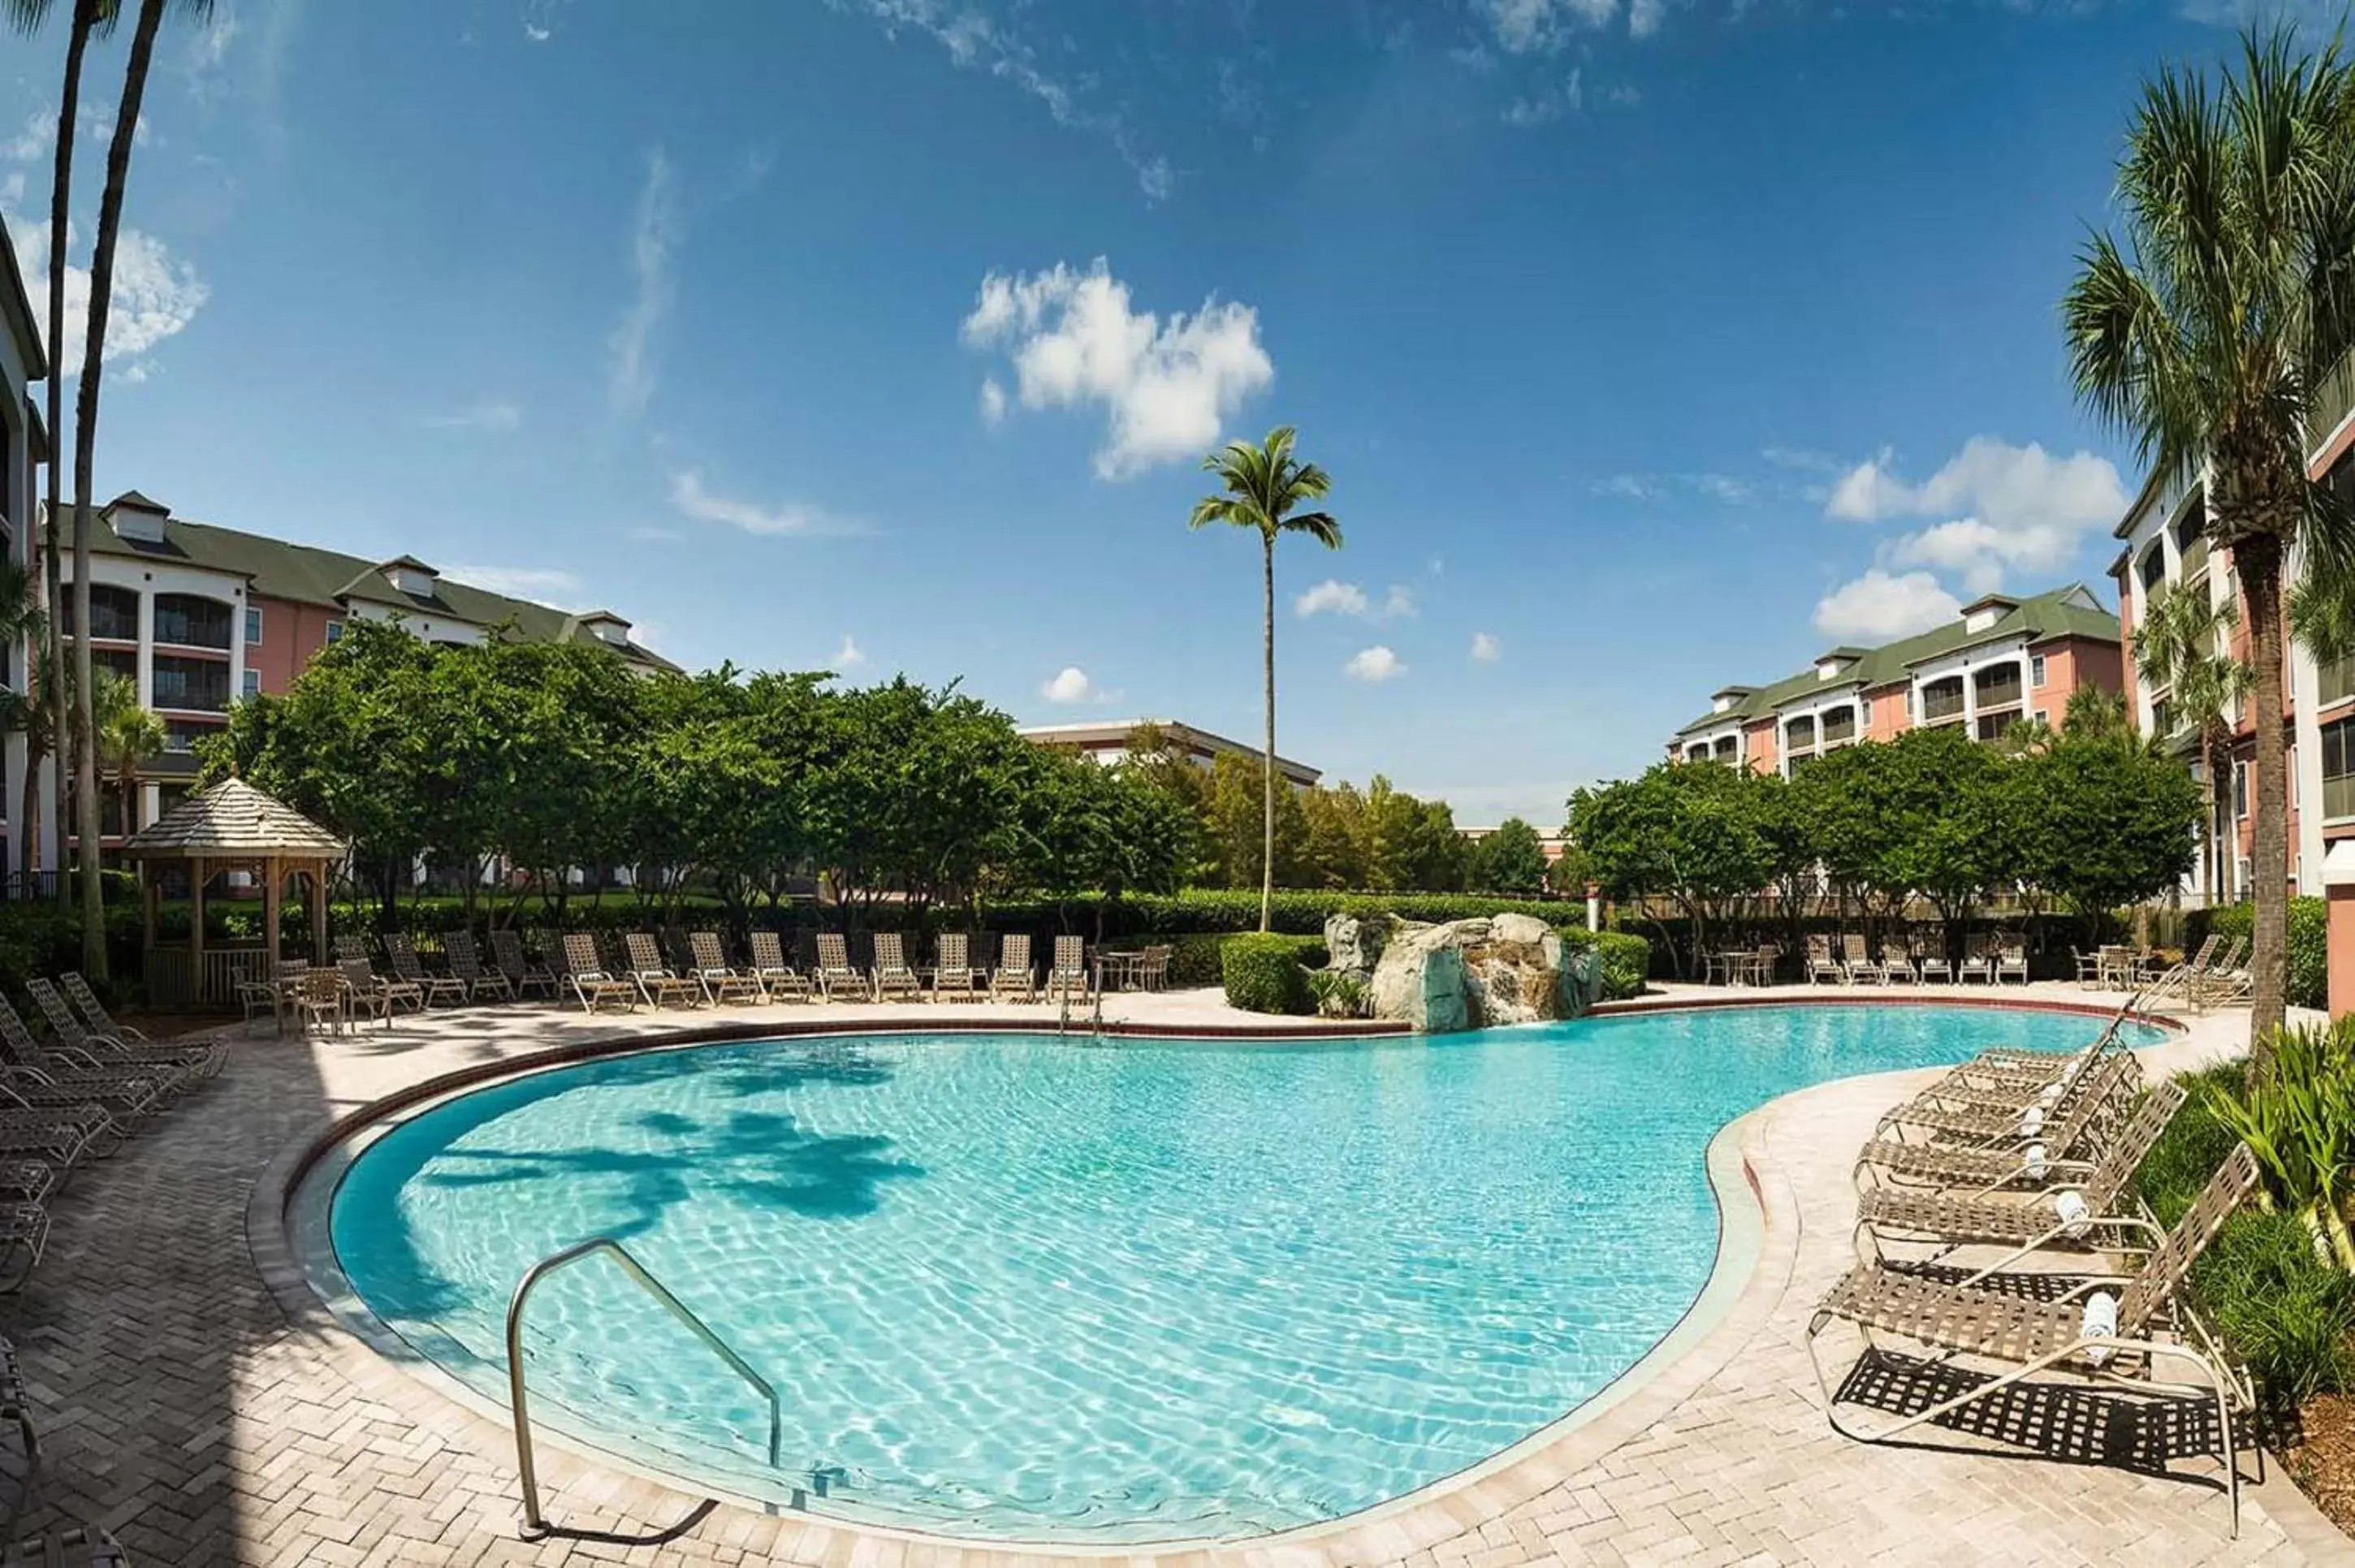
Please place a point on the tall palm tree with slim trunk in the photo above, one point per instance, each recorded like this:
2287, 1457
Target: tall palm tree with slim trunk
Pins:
2182, 642
2204, 336
101, 284
22, 624
129, 737
1263, 486
90, 18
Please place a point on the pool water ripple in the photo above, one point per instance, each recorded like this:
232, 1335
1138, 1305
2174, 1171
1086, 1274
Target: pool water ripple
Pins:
1015, 1287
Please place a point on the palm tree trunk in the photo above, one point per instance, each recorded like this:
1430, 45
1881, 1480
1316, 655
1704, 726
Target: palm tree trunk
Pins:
85, 14
2258, 557
29, 816
1267, 651
101, 284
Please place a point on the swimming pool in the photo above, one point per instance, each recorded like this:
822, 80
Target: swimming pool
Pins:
1021, 1289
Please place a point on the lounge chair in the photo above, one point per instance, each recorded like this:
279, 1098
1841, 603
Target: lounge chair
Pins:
2093, 967
591, 983
1823, 969
81, 1546
2227, 980
465, 961
1068, 974
654, 978
402, 954
2013, 1114
893, 976
2011, 961
2082, 1204
2178, 979
1153, 969
953, 976
214, 1054
24, 1231
834, 970
1897, 965
2103, 1327
1014, 977
1975, 966
267, 995
1936, 970
523, 972
2078, 1130
778, 978
186, 1062
365, 992
722, 982
57, 1137
67, 1075
1857, 967
397, 992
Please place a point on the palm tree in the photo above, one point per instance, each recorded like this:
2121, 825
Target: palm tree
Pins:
101, 285
23, 625
91, 18
129, 736
2204, 339
1263, 483
2181, 644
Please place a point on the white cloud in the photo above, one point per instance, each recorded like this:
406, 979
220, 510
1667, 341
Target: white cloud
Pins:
32, 143
1166, 387
993, 402
654, 238
156, 294
1644, 17
1343, 598
1486, 649
978, 42
1376, 664
689, 494
1542, 27
1070, 685
847, 655
1396, 603
2003, 506
489, 415
542, 584
1878, 607
1722, 488
1551, 104
646, 534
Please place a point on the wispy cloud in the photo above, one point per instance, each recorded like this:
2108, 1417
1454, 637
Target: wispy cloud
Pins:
689, 496
2003, 506
156, 294
653, 238
1071, 685
847, 655
1334, 597
489, 415
1723, 489
542, 584
1486, 649
975, 41
1167, 386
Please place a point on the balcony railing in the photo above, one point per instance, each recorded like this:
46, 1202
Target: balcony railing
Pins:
2003, 691
1942, 702
191, 623
1839, 727
196, 685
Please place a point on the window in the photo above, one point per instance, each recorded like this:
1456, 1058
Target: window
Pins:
1726, 747
1839, 724
1696, 754
2152, 568
2240, 790
1799, 734
2335, 681
189, 621
1991, 726
181, 735
252, 626
2338, 770
1942, 700
252, 683
1999, 686
196, 683
113, 612
335, 631
2036, 669
2044, 716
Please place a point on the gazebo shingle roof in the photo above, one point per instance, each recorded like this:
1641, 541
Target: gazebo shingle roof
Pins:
233, 818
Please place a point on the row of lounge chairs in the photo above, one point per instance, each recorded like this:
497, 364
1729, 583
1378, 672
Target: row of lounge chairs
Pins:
2000, 1240
633, 969
1991, 960
77, 1546
75, 1094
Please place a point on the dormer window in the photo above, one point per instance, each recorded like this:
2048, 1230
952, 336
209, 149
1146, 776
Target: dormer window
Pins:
137, 518
1722, 704
1985, 612
607, 627
410, 576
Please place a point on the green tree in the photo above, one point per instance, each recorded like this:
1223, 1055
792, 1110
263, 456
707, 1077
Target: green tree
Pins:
25, 713
1701, 837
1510, 861
1264, 487
2204, 336
129, 738
2183, 644
2103, 825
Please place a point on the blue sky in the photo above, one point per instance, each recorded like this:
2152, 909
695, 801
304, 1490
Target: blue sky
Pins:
1651, 344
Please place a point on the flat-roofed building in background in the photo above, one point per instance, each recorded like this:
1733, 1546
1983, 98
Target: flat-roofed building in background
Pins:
198, 616
1110, 745
2000, 660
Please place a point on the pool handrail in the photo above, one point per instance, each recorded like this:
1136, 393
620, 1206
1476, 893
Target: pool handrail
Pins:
535, 1524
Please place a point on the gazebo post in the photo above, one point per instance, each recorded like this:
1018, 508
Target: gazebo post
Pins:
196, 928
271, 894
148, 895
319, 912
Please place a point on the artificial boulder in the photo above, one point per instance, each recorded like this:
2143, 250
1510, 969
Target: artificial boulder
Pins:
1471, 974
1354, 946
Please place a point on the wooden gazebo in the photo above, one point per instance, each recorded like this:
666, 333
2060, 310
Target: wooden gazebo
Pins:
231, 827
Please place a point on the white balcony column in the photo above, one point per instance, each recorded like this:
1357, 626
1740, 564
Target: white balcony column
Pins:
147, 647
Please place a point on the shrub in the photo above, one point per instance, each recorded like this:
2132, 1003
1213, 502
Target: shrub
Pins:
1626, 960
1268, 974
1340, 995
2309, 944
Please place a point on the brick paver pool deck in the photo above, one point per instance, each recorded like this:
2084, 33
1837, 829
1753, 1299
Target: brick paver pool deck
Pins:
194, 1399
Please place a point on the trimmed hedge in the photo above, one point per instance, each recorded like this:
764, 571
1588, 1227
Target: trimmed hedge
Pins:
1626, 960
2310, 942
1269, 974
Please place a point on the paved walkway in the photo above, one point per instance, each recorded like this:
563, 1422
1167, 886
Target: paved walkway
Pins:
206, 1419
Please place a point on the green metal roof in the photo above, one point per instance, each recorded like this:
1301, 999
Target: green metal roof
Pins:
2067, 612
306, 574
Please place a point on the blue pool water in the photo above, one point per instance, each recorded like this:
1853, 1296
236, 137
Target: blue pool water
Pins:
1026, 1289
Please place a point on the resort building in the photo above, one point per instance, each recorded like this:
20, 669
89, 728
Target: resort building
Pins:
2002, 660
23, 446
2164, 543
1109, 744
198, 616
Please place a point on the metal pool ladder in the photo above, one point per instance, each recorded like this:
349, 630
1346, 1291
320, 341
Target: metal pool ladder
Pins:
535, 1524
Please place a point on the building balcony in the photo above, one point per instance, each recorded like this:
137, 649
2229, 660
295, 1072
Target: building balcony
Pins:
190, 685
1938, 706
